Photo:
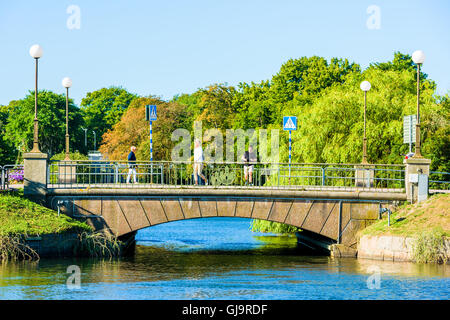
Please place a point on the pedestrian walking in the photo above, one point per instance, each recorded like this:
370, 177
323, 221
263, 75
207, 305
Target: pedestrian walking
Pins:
198, 162
132, 165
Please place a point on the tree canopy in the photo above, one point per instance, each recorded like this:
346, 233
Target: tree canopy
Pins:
133, 130
52, 122
323, 94
104, 107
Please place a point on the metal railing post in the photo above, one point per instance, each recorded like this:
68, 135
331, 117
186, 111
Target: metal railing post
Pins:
323, 176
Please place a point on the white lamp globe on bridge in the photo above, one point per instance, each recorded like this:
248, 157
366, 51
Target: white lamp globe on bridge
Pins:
418, 57
36, 51
67, 82
365, 86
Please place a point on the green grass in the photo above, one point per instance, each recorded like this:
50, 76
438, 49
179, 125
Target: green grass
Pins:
20, 216
410, 220
429, 247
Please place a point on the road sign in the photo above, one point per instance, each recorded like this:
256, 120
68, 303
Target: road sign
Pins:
150, 113
289, 123
409, 129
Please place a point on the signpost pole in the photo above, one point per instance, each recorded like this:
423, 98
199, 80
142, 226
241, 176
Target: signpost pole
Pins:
151, 152
290, 156
150, 116
289, 124
410, 133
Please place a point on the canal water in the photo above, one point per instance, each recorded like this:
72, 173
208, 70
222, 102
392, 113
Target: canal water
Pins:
220, 258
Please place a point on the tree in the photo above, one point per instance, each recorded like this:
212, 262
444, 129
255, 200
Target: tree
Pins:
253, 104
52, 122
104, 107
7, 150
133, 129
306, 77
216, 105
331, 129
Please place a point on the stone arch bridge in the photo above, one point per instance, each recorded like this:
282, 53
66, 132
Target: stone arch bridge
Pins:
333, 215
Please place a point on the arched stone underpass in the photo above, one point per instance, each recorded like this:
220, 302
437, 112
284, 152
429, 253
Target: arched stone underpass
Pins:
336, 219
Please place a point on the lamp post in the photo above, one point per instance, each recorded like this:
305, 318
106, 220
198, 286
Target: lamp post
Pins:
67, 83
85, 136
418, 57
36, 52
365, 86
95, 142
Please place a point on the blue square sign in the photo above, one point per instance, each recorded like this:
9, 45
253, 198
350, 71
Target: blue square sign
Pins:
289, 123
150, 112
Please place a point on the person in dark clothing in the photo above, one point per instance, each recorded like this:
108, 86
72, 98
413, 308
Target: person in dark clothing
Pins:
249, 156
132, 165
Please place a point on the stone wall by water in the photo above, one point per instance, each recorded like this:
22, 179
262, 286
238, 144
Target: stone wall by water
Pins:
54, 245
391, 248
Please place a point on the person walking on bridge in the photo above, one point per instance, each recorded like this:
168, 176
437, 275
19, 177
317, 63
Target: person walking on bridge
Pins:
249, 158
198, 162
132, 165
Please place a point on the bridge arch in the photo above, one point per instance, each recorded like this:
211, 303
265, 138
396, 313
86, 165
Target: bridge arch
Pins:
335, 219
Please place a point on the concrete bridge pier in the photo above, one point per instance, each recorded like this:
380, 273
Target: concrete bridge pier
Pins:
417, 172
35, 176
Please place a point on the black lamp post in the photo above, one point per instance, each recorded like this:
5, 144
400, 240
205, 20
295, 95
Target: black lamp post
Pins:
36, 52
67, 83
418, 58
365, 86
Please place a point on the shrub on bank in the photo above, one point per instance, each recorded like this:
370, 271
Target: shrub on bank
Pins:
272, 227
21, 218
429, 247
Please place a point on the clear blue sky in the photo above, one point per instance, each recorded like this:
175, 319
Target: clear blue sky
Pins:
169, 47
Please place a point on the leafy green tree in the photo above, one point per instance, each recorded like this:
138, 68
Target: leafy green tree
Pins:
435, 130
331, 129
7, 149
133, 130
52, 122
216, 105
253, 104
305, 77
104, 107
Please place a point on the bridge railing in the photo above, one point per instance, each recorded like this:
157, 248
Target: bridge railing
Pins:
114, 174
11, 174
438, 180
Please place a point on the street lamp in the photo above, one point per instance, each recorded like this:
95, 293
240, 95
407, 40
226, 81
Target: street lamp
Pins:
85, 136
418, 57
365, 86
36, 52
95, 140
67, 83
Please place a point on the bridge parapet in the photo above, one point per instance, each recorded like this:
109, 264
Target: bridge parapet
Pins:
42, 175
163, 174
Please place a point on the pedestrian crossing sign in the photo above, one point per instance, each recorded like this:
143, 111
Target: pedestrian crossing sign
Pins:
150, 112
289, 123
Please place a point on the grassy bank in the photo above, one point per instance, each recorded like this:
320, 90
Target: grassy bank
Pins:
412, 219
21, 218
428, 223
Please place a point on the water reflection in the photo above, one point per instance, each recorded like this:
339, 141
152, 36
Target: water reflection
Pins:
264, 268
